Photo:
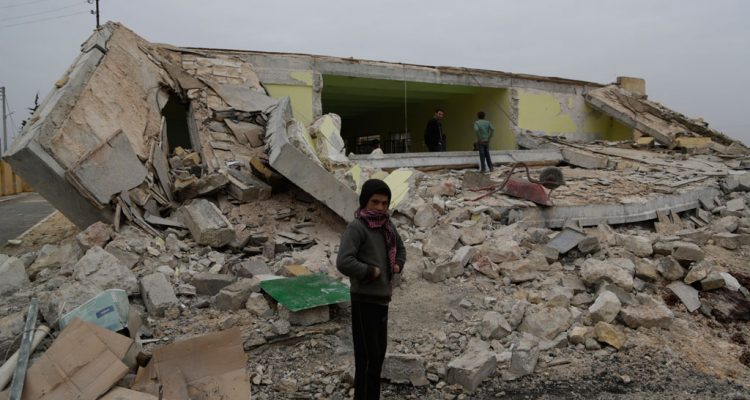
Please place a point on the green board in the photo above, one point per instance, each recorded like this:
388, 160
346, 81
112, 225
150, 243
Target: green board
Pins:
306, 291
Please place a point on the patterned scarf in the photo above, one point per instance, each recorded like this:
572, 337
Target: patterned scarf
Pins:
378, 220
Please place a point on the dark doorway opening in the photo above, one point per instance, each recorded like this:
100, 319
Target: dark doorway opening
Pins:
175, 113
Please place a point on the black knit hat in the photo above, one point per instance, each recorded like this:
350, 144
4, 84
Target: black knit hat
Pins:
371, 187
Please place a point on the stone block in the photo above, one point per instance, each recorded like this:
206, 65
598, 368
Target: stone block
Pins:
729, 224
469, 369
55, 257
210, 284
687, 294
670, 269
426, 217
464, 255
234, 297
245, 187
609, 334
11, 329
579, 334
252, 267
499, 250
12, 276
473, 235
727, 240
649, 313
584, 159
311, 316
605, 308
737, 204
206, 223
123, 252
105, 271
687, 252
646, 270
594, 271
589, 244
730, 282
545, 322
404, 368
713, 281
57, 303
494, 326
441, 241
97, 234
293, 270
550, 253
698, 271
258, 306
638, 245
440, 272
158, 294
523, 360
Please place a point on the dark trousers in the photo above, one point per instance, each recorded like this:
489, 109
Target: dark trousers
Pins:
484, 156
369, 333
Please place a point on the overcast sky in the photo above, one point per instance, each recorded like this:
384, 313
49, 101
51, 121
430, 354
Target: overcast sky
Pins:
694, 55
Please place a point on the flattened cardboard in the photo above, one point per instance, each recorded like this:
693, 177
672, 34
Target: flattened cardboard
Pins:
206, 367
82, 363
120, 393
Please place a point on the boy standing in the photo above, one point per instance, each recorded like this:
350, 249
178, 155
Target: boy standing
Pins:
484, 130
370, 254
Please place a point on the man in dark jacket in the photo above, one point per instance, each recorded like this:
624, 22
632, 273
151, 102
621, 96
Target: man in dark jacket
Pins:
370, 254
434, 137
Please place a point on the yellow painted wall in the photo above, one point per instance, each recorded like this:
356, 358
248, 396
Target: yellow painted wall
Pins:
301, 95
10, 183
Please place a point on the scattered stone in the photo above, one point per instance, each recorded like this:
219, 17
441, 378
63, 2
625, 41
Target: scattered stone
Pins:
698, 272
525, 355
559, 296
582, 299
234, 297
158, 294
281, 326
443, 188
589, 244
123, 252
464, 255
210, 284
404, 368
166, 270
441, 241
727, 224
579, 334
550, 253
646, 270
519, 271
594, 271
573, 282
605, 308
439, 272
97, 234
566, 240
311, 316
475, 364
649, 313
54, 257
294, 270
737, 204
11, 329
494, 326
473, 235
206, 223
727, 240
252, 267
626, 298
670, 269
609, 334
499, 251
517, 312
687, 294
12, 276
426, 217
730, 282
483, 265
638, 245
105, 271
713, 281
55, 304
258, 306
592, 344
687, 252
545, 322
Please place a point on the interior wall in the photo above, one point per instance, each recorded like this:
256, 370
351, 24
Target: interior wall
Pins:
300, 94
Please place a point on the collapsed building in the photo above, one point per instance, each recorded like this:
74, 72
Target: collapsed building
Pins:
174, 141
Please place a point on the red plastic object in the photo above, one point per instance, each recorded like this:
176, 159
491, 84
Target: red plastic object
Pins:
524, 189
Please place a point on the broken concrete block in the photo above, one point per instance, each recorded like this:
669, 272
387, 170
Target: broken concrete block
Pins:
404, 368
523, 360
727, 240
310, 316
210, 284
713, 281
105, 271
579, 334
123, 252
439, 272
252, 267
520, 270
737, 204
464, 255
426, 217
234, 297
469, 369
559, 296
584, 159
605, 308
730, 282
494, 326
206, 223
609, 334
670, 269
686, 294
245, 187
499, 251
550, 253
736, 183
729, 224
649, 313
55, 304
258, 306
12, 276
646, 270
589, 244
441, 241
687, 252
97, 234
638, 245
158, 294
247, 132
545, 322
54, 257
594, 271
566, 240
292, 270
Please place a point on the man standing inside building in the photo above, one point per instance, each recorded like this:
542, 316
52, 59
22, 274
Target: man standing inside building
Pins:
434, 137
484, 130
370, 254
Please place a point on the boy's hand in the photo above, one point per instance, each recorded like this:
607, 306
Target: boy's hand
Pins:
375, 273
396, 269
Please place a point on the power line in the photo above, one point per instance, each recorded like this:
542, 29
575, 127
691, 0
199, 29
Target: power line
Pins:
78, 3
23, 4
44, 19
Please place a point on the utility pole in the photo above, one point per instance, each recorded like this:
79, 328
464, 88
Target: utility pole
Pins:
5, 126
97, 16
